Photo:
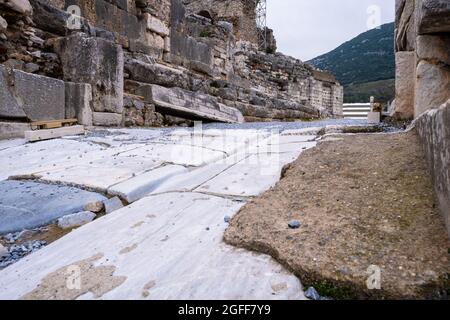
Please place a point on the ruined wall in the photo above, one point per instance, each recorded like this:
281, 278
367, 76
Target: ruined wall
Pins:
434, 130
422, 56
423, 84
155, 62
240, 13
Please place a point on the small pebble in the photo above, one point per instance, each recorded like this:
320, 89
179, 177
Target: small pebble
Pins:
227, 219
312, 294
294, 224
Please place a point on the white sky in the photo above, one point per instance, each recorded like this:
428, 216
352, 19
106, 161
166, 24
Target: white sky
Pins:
306, 29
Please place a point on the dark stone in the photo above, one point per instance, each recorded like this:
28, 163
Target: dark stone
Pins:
294, 224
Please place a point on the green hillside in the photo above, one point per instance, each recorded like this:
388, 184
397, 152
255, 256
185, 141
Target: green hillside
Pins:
363, 65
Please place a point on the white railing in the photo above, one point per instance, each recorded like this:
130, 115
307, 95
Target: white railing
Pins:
356, 110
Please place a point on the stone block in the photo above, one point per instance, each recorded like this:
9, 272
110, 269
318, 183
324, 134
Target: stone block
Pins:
112, 205
189, 104
3, 251
106, 119
155, 25
29, 96
433, 16
98, 62
432, 87
434, 48
10, 130
20, 6
404, 85
434, 130
374, 117
78, 102
39, 135
3, 24
76, 220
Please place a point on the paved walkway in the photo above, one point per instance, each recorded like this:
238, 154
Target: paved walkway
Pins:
182, 185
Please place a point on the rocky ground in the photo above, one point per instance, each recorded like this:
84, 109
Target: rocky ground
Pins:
351, 203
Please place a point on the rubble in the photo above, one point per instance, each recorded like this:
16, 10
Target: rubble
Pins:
76, 219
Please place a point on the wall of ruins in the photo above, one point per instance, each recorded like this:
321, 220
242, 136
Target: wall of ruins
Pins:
422, 56
127, 63
423, 84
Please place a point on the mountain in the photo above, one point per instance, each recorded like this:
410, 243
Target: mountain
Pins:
365, 65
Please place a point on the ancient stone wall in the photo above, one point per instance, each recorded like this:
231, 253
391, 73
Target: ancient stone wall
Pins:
434, 130
422, 56
423, 83
240, 13
117, 59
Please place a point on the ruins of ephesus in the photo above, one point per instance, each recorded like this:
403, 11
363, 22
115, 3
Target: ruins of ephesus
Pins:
145, 63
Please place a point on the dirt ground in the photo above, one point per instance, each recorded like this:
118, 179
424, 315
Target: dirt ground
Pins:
362, 200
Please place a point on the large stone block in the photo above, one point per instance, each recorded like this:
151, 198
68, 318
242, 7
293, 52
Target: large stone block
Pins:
188, 104
405, 85
433, 16
29, 96
106, 119
432, 87
434, 131
78, 102
98, 62
10, 130
405, 25
155, 25
434, 48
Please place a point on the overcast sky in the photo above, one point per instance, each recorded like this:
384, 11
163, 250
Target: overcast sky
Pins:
306, 29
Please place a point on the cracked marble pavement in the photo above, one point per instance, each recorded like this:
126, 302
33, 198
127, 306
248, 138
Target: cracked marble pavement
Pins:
167, 243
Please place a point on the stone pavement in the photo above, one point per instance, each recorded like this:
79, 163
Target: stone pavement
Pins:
167, 244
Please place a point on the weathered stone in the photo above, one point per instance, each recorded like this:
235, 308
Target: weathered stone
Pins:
434, 48
31, 67
75, 220
434, 131
405, 85
106, 119
21, 6
3, 251
100, 63
48, 17
432, 87
9, 130
30, 96
156, 74
294, 224
155, 25
112, 204
28, 205
188, 104
405, 24
78, 102
433, 16
3, 24
94, 206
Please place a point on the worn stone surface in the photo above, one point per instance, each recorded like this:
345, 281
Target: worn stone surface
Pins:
75, 220
30, 204
434, 131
